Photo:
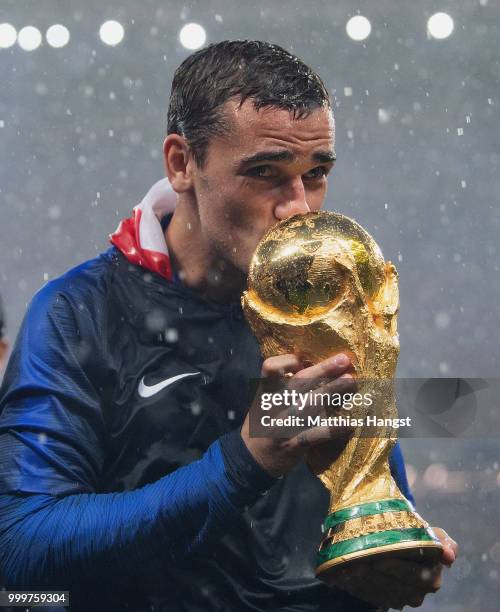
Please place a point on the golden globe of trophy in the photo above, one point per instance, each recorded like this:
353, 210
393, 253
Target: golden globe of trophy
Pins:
318, 285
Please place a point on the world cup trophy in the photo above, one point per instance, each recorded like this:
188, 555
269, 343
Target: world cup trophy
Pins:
318, 285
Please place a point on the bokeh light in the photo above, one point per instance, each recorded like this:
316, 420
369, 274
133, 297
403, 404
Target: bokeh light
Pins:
440, 25
8, 35
57, 36
358, 28
111, 33
192, 36
436, 476
29, 38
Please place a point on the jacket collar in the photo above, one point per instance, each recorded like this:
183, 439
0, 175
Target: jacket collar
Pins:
141, 238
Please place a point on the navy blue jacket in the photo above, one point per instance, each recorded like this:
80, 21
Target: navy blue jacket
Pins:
140, 497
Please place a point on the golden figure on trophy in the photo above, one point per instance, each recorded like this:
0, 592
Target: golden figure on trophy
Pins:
318, 285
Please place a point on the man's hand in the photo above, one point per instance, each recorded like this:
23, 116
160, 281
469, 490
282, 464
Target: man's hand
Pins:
278, 455
450, 547
393, 582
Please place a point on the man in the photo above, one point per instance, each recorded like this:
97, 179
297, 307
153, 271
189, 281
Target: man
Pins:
128, 476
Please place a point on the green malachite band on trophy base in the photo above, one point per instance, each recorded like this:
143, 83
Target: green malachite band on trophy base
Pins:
372, 540
386, 505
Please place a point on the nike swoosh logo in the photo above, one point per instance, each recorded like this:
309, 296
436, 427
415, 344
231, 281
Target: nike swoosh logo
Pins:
150, 390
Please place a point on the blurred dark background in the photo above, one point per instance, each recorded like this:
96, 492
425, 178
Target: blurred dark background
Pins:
416, 104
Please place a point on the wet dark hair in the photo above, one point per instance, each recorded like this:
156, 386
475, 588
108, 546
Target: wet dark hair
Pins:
241, 69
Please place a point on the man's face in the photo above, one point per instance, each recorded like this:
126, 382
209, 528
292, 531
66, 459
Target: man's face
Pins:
267, 167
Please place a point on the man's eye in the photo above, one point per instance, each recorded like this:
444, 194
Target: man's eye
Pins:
316, 173
261, 171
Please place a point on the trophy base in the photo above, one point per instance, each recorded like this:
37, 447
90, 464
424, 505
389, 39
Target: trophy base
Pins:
390, 528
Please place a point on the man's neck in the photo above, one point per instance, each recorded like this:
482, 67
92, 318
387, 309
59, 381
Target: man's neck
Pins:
195, 260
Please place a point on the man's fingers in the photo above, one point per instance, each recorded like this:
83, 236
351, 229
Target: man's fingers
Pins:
424, 575
332, 367
411, 592
314, 436
310, 437
400, 567
279, 365
450, 547
342, 384
328, 376
317, 397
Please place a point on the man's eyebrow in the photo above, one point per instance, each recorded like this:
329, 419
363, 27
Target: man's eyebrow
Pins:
262, 156
323, 157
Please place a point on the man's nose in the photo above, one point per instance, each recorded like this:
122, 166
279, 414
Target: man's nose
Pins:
293, 201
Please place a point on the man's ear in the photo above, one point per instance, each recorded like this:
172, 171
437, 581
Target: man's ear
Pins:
4, 347
178, 162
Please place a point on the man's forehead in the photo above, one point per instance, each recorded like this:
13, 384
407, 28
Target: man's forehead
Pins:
247, 114
268, 124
